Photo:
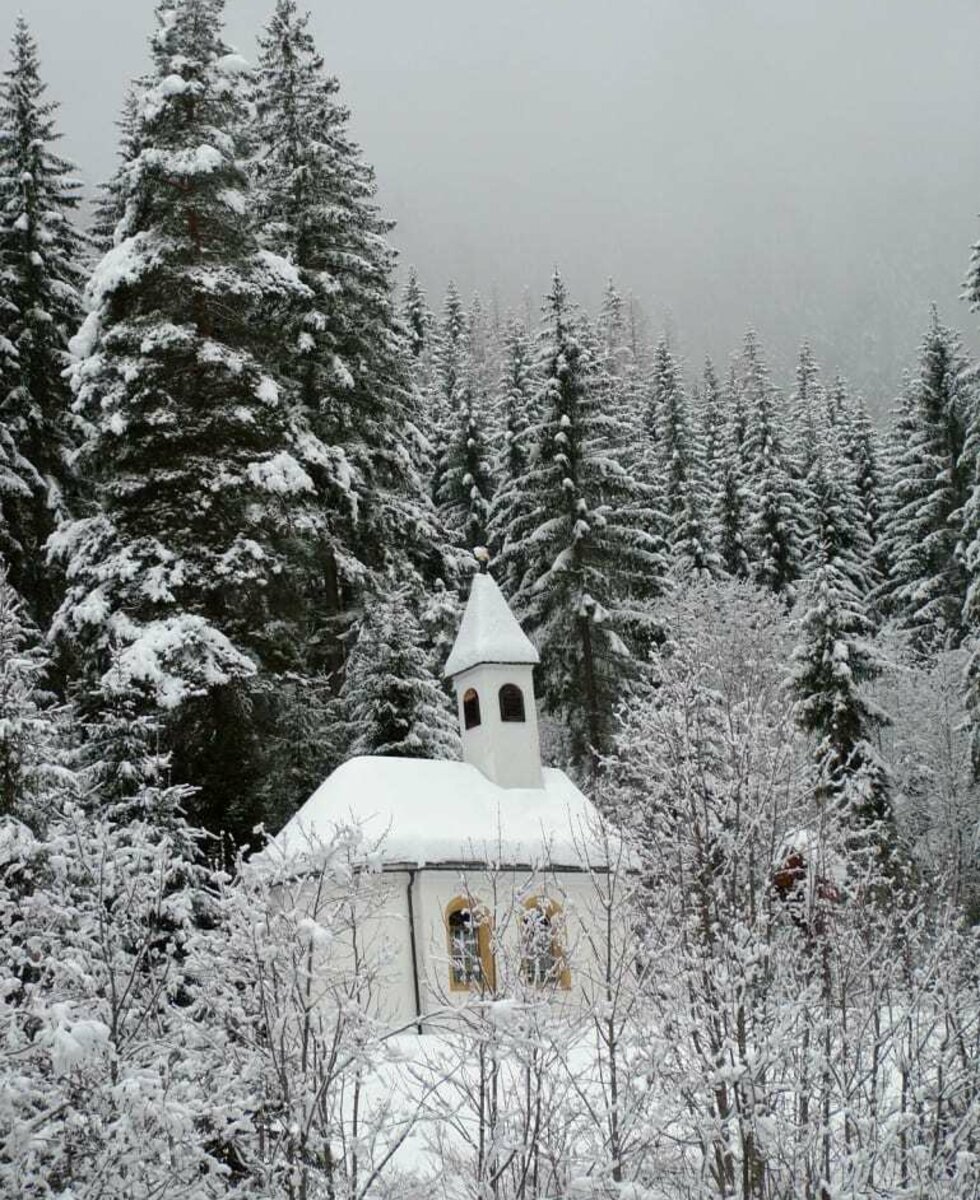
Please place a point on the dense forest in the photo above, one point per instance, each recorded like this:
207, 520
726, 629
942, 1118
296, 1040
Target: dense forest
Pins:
243, 473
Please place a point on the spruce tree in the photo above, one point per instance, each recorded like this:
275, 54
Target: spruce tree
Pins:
730, 514
42, 259
838, 404
775, 519
448, 355
395, 706
466, 485
861, 445
805, 409
619, 368
835, 658
711, 421
517, 418
971, 564
184, 583
677, 460
416, 315
341, 353
109, 207
931, 483
33, 733
516, 401
586, 533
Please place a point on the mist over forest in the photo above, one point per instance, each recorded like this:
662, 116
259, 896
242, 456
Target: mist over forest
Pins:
803, 169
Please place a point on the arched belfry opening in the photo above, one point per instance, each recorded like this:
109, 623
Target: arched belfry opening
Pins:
511, 703
471, 708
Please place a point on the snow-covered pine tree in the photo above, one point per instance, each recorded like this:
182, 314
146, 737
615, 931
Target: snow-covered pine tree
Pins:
775, 527
467, 485
969, 521
834, 658
394, 704
730, 511
621, 381
448, 353
33, 730
894, 447
590, 541
344, 359
613, 330
861, 445
42, 262
516, 401
676, 458
184, 582
806, 411
838, 404
416, 315
709, 415
109, 207
480, 344
932, 479
516, 417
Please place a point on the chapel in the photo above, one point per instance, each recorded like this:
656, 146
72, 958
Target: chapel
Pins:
489, 863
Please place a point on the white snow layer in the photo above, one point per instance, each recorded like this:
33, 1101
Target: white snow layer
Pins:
424, 811
489, 632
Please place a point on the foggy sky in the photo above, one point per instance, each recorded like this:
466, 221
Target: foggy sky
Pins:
809, 167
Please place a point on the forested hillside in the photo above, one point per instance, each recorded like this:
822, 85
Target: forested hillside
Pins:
243, 472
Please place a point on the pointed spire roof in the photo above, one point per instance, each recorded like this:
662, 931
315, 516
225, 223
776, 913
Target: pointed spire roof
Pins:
489, 632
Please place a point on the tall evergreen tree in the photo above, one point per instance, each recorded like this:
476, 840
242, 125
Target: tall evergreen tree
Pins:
775, 519
516, 400
862, 447
730, 515
184, 583
448, 355
109, 207
466, 485
342, 356
42, 259
711, 420
970, 470
931, 483
834, 658
676, 459
805, 410
517, 418
416, 315
587, 534
394, 704
33, 742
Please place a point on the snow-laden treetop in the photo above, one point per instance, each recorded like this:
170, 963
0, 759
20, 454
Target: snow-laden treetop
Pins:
419, 812
489, 632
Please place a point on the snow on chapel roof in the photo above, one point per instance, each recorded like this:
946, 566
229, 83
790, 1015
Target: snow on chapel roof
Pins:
425, 812
489, 632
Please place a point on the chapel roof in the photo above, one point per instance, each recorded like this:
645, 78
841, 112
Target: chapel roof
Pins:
426, 812
489, 632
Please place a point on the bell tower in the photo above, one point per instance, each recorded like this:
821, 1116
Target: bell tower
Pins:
491, 665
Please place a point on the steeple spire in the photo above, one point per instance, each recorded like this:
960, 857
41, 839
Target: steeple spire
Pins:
489, 632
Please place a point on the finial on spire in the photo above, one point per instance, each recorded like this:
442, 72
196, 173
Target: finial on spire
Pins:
482, 556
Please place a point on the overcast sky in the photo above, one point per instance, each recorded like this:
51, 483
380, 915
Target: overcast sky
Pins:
810, 167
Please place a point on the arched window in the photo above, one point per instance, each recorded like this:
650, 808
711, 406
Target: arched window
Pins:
471, 708
470, 956
543, 959
511, 703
